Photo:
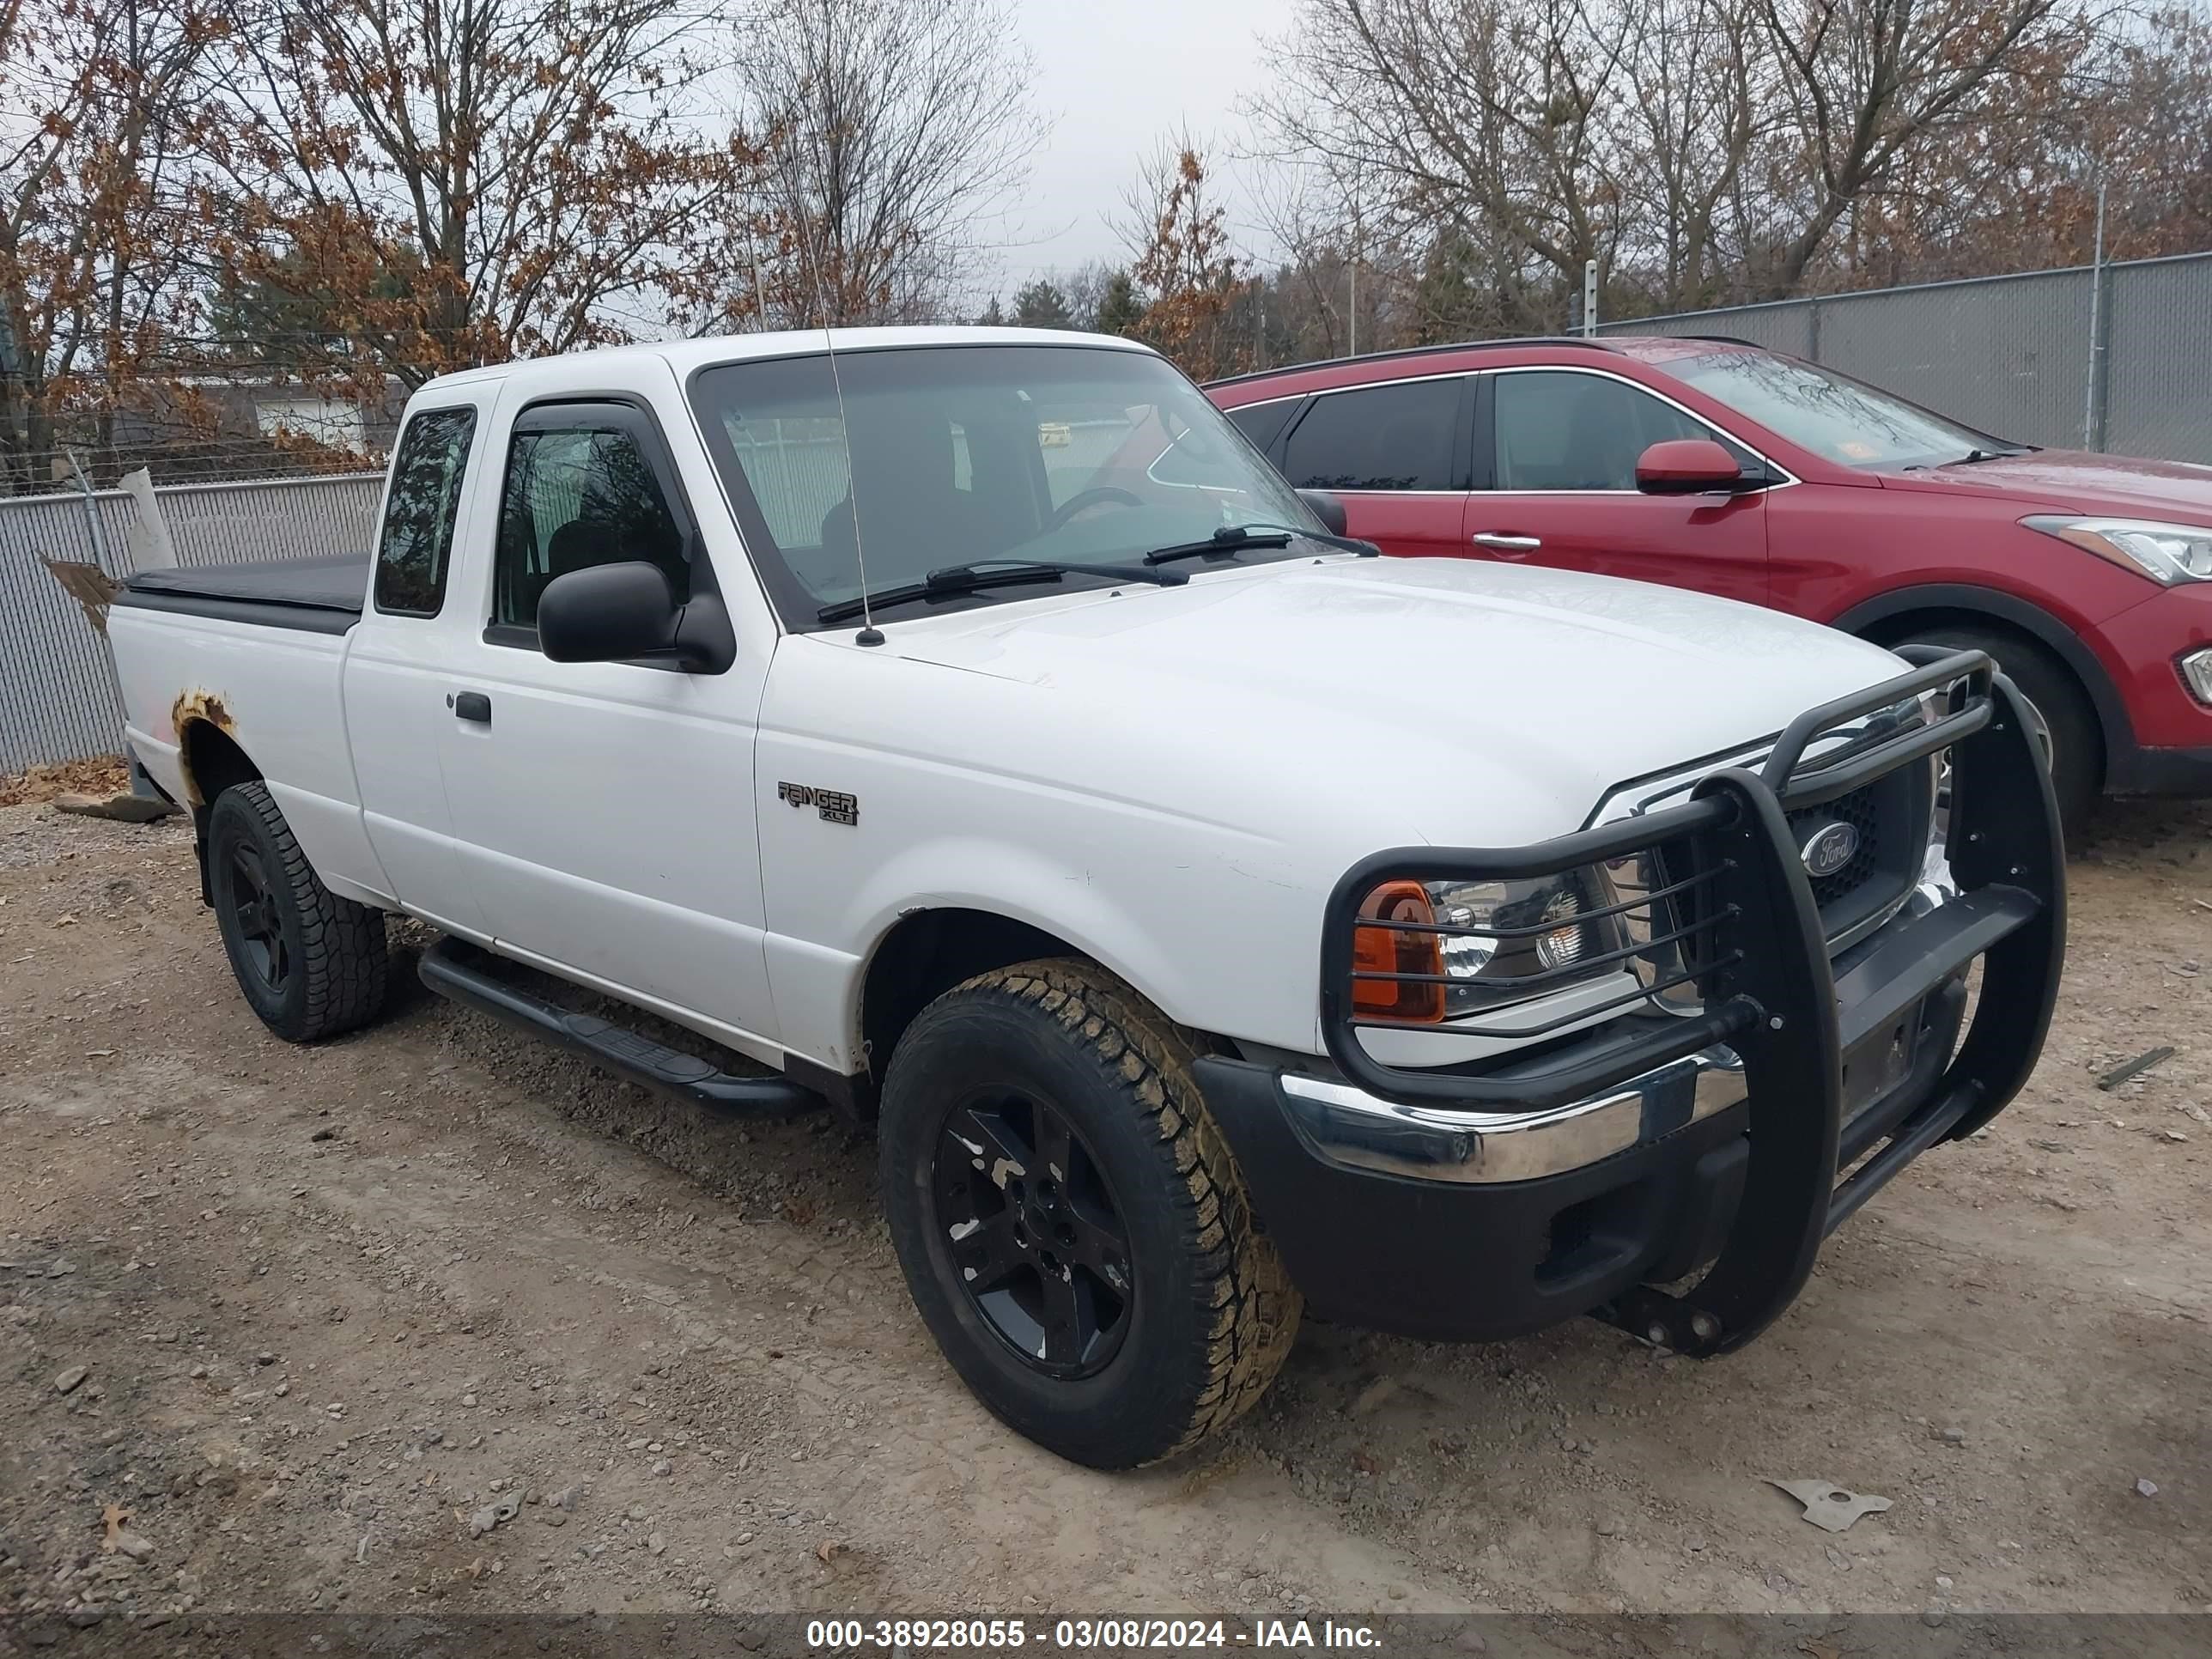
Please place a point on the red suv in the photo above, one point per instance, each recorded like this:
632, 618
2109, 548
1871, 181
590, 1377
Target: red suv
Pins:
1716, 465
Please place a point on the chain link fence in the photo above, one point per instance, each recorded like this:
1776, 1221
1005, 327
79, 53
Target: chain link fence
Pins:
2114, 357
57, 697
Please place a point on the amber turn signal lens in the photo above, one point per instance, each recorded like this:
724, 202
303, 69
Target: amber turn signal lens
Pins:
1384, 949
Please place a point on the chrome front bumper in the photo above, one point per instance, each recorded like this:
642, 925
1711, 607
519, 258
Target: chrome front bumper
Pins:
1354, 1130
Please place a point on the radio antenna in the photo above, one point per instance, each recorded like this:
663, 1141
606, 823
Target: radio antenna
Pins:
869, 633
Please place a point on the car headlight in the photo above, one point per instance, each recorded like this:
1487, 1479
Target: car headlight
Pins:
2166, 553
1466, 947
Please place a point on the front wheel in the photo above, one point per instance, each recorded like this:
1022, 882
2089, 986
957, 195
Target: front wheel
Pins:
2072, 743
1071, 1226
312, 964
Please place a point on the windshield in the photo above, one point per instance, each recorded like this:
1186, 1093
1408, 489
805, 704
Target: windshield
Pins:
1828, 414
947, 455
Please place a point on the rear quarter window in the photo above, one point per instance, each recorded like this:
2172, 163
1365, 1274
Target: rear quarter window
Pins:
1394, 437
415, 545
1262, 423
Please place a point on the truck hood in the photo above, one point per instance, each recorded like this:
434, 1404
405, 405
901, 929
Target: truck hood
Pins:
1484, 700
2116, 486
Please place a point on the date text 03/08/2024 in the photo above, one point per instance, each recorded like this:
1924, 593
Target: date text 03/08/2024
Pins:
986, 1635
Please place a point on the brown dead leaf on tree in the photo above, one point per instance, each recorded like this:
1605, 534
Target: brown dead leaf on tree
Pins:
1186, 260
108, 98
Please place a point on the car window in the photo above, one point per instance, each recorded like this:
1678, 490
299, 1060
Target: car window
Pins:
1563, 430
577, 496
419, 511
970, 452
1828, 413
1381, 437
1263, 422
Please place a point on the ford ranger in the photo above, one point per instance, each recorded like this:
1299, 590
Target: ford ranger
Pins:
969, 729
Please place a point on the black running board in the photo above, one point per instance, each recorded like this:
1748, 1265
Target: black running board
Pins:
466, 974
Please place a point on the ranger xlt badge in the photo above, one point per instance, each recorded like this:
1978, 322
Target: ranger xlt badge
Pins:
837, 806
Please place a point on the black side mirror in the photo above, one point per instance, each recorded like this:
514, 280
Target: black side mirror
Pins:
1328, 509
627, 613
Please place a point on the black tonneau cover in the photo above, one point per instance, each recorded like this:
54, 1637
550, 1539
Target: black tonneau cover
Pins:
321, 595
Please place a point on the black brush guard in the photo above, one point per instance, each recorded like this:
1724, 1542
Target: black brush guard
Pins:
1761, 966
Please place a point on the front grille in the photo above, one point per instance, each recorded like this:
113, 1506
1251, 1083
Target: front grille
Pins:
1857, 809
1891, 816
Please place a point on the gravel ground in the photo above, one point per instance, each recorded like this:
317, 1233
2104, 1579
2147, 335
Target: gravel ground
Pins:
434, 1316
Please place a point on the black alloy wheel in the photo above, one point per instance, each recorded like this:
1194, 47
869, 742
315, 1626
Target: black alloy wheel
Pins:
260, 929
1035, 1233
310, 963
1074, 1231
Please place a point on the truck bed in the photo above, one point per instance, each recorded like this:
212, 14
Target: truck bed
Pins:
319, 595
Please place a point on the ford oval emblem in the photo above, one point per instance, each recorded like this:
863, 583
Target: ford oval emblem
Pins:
1829, 848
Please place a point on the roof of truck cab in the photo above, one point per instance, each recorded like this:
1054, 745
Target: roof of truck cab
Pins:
684, 356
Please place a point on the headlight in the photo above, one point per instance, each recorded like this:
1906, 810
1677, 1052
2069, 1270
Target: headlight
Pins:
1538, 926
2166, 553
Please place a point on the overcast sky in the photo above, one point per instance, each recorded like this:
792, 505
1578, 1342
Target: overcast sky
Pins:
1112, 79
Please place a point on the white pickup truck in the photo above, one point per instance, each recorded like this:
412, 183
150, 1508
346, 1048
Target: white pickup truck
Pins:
966, 728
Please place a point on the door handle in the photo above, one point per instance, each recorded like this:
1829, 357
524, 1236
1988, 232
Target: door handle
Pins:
472, 706
1504, 542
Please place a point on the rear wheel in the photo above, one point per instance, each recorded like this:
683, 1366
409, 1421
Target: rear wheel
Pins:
312, 964
2071, 737
1069, 1220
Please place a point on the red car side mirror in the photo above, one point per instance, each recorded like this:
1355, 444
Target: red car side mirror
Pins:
1687, 466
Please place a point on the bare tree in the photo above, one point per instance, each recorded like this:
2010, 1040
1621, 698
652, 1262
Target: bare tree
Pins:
2022, 191
1692, 133
899, 130
1703, 151
438, 183
1350, 277
1085, 287
2161, 190
1306, 212
1872, 83
1494, 116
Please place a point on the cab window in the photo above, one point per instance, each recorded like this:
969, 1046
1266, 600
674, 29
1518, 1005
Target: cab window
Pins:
582, 489
419, 511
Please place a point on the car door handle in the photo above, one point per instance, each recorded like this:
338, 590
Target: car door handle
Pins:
1507, 543
472, 706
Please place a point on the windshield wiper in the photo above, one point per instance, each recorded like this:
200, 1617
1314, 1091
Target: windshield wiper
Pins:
1233, 538
991, 572
1978, 454
1966, 459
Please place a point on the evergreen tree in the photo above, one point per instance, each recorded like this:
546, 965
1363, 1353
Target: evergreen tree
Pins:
1122, 308
1042, 304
